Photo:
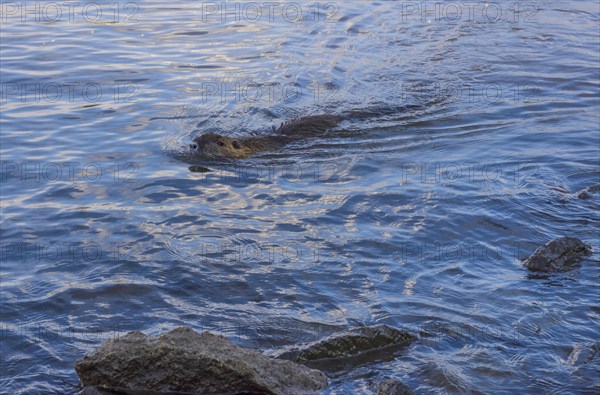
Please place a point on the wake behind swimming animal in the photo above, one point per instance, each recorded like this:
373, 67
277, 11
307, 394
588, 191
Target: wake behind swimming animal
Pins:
213, 146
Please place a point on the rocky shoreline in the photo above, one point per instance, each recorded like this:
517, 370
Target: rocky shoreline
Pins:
183, 361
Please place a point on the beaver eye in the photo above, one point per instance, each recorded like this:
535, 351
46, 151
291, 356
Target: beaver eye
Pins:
235, 144
194, 146
220, 143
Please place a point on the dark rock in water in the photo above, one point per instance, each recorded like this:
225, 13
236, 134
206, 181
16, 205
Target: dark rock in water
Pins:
584, 195
587, 192
92, 391
124, 391
348, 344
558, 255
393, 387
583, 353
183, 360
199, 169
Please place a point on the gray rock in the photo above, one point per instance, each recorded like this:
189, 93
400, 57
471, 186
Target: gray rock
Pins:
183, 360
347, 344
584, 194
558, 255
582, 353
393, 387
91, 391
125, 391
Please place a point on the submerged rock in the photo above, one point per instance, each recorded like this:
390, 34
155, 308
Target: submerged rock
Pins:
393, 387
558, 255
183, 360
587, 192
348, 344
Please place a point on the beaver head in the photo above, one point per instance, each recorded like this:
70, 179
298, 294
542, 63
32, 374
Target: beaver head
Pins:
215, 146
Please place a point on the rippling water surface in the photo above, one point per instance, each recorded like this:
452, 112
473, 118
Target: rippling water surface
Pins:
483, 125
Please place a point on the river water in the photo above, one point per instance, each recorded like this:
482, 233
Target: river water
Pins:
483, 125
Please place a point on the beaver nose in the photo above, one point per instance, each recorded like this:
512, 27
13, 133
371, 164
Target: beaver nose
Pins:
193, 146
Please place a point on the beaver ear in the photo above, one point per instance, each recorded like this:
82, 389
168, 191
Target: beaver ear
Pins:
235, 144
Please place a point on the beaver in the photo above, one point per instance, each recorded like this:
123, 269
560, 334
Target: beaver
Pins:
214, 146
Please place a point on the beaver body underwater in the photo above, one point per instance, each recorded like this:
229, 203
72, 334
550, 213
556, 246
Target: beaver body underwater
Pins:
213, 146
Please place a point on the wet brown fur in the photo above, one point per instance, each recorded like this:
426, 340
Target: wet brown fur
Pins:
215, 146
